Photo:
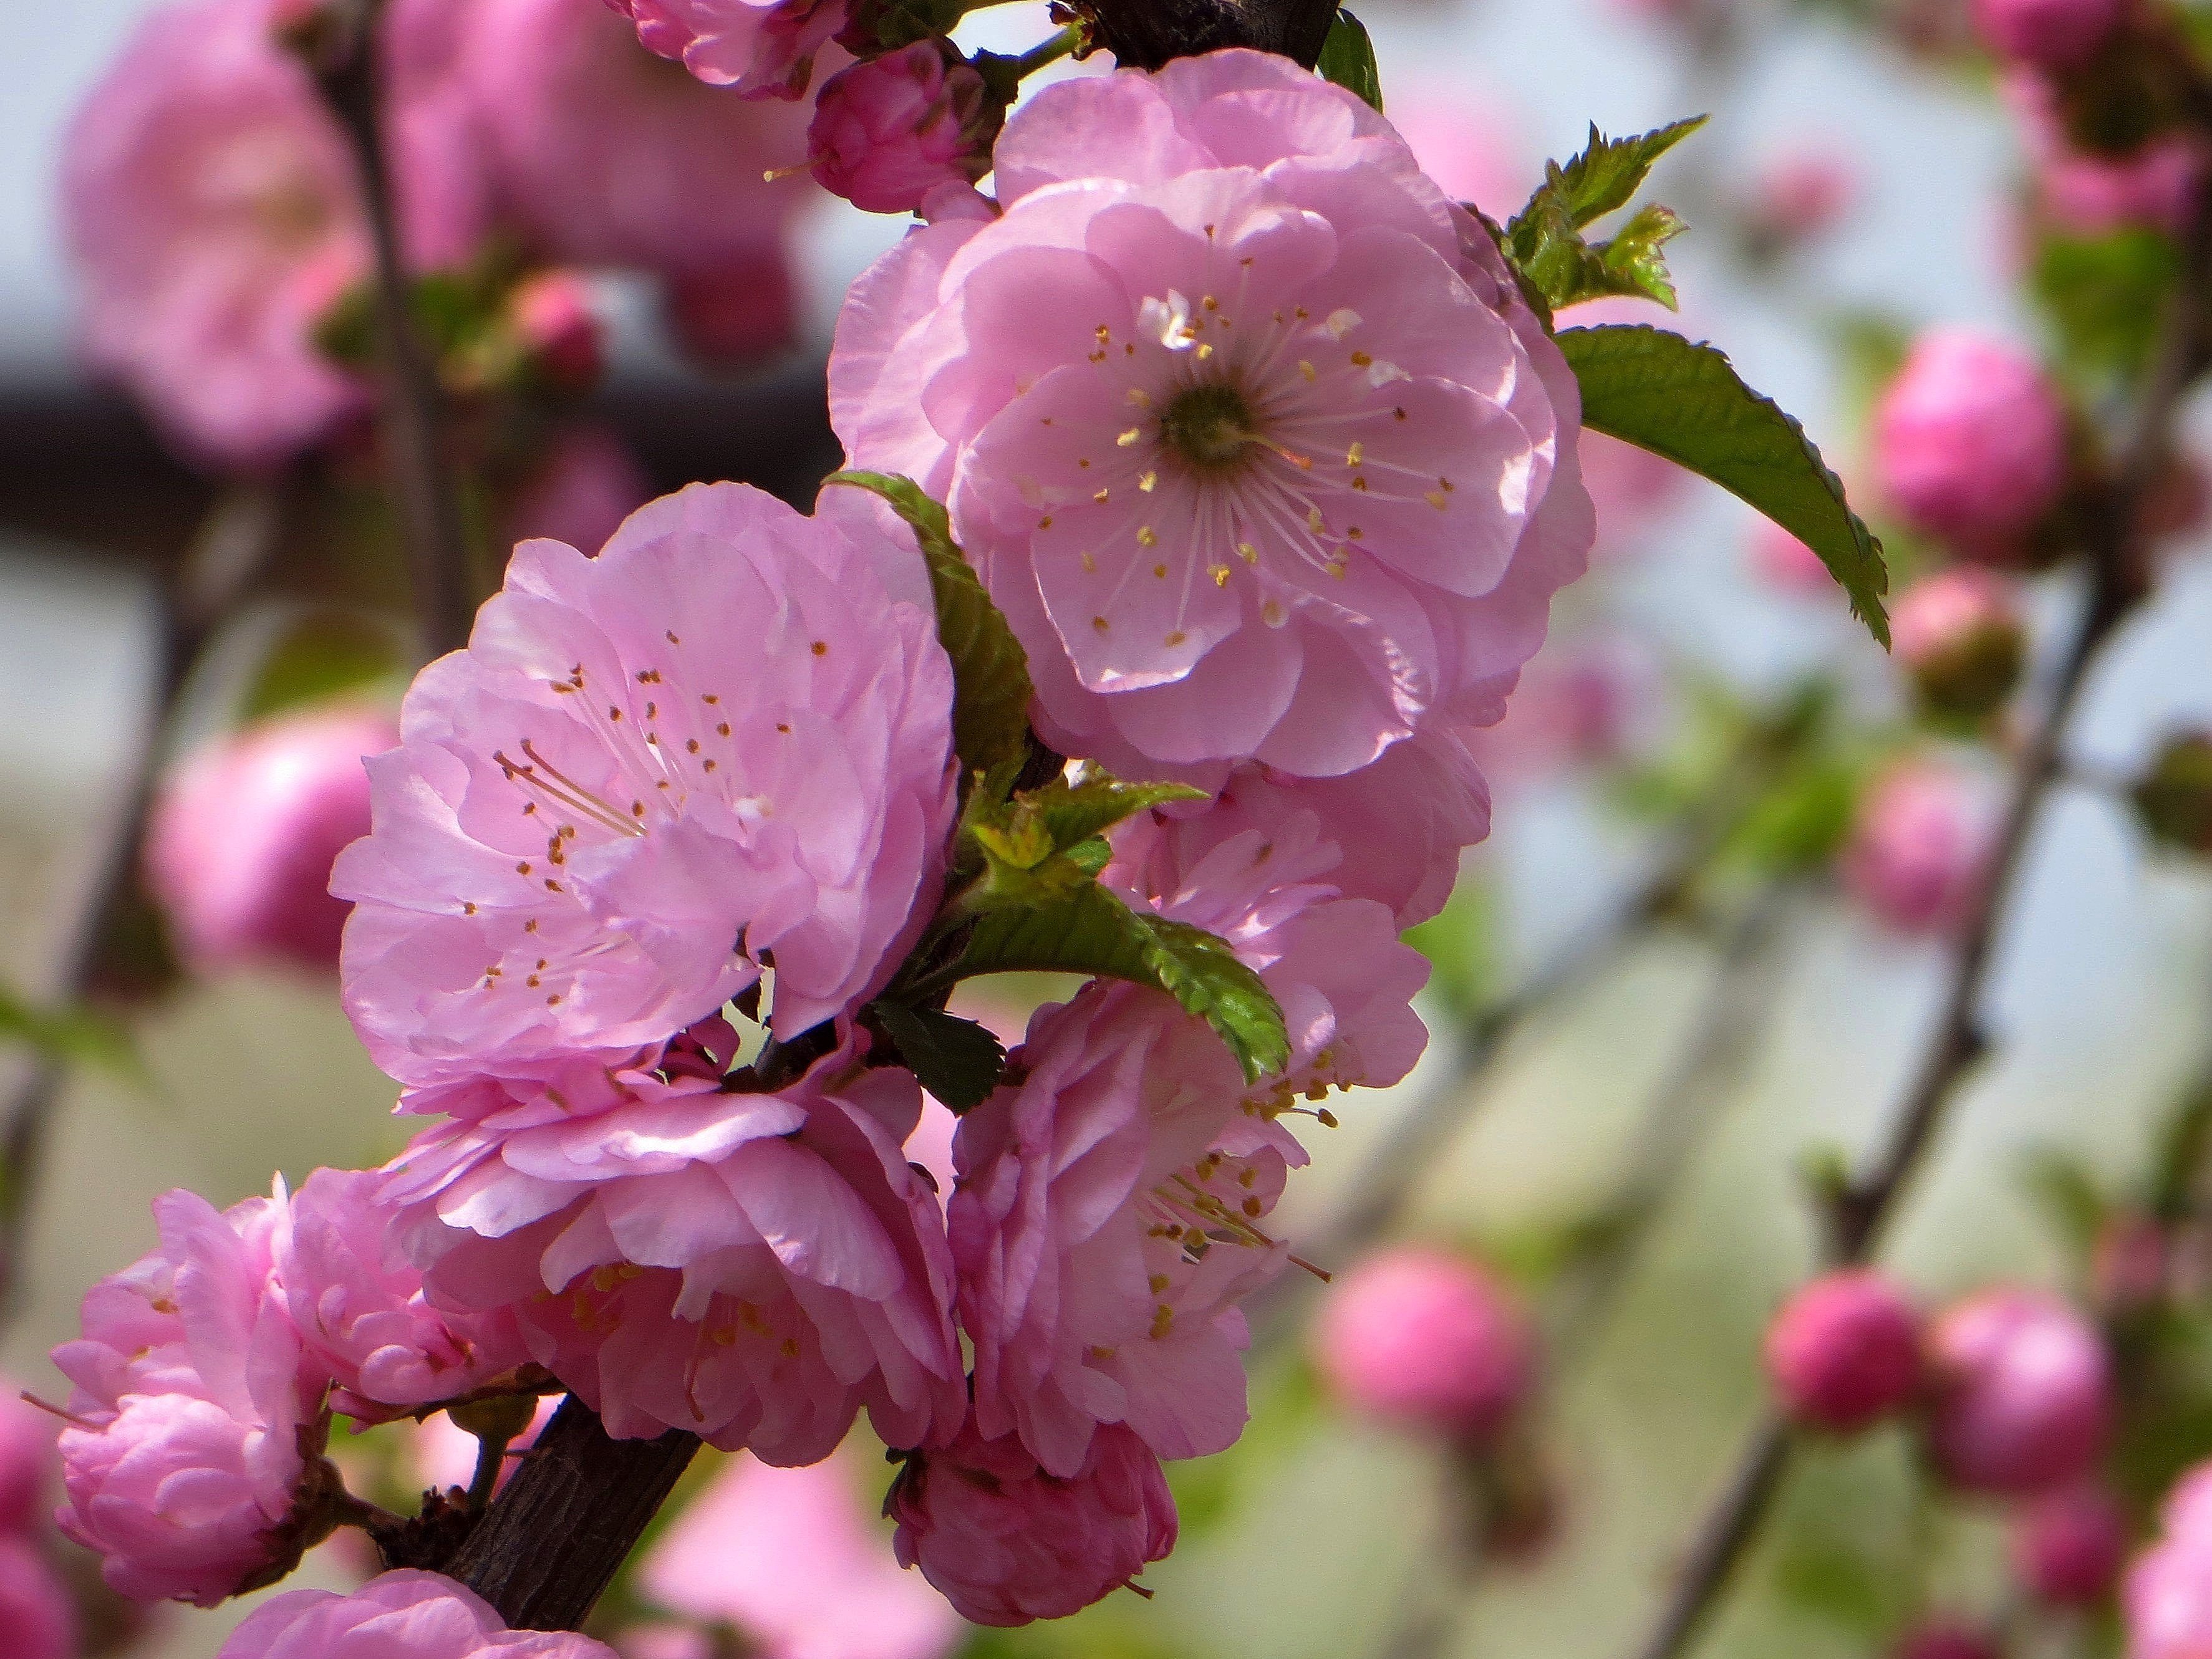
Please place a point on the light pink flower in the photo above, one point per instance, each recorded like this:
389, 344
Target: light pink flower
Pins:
889, 130
400, 1615
764, 48
2069, 1549
1970, 443
2165, 1599
1844, 1352
755, 1268
36, 1609
1427, 1340
243, 833
2058, 35
793, 1559
1288, 470
27, 1458
1920, 850
587, 483
195, 1411
1006, 1543
718, 740
2021, 1400
606, 157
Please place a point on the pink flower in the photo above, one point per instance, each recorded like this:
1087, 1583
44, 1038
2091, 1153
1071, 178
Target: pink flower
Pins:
1844, 1351
364, 1318
754, 1267
794, 1560
1585, 702
36, 1609
1960, 636
1798, 196
2165, 1599
738, 315
1970, 443
195, 1412
1288, 470
400, 1615
1426, 1339
607, 158
1462, 145
2088, 193
241, 839
2022, 1401
587, 483
1919, 852
889, 130
765, 48
2069, 1549
1006, 1543
26, 1459
2058, 35
719, 732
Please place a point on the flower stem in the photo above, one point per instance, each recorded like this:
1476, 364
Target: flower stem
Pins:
1047, 51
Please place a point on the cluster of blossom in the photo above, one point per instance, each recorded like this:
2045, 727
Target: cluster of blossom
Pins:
1274, 499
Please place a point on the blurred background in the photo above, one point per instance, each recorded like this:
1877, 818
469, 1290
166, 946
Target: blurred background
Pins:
1635, 1055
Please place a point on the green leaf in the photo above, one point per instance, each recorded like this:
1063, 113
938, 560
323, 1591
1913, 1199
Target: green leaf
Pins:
957, 1060
1545, 240
1074, 813
70, 1036
990, 670
1685, 401
1609, 171
1090, 931
1347, 58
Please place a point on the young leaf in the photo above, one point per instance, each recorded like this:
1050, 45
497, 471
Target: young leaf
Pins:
990, 670
1685, 401
1074, 813
957, 1060
1545, 241
1347, 58
1610, 171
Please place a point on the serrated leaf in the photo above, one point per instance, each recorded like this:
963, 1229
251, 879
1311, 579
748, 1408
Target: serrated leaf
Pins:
1545, 241
957, 1060
1633, 260
1074, 813
990, 670
1685, 401
1090, 931
1608, 173
1347, 59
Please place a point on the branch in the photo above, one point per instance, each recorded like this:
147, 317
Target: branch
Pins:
1147, 33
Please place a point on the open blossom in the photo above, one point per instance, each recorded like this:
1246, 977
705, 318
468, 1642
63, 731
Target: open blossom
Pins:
399, 1615
1006, 1543
718, 741
362, 1315
1426, 1339
764, 48
2167, 1597
794, 1560
755, 1267
2020, 1392
889, 130
36, 1609
1285, 472
1970, 443
243, 833
195, 1411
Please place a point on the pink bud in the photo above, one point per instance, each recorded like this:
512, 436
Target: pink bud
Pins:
1919, 852
737, 315
1945, 1639
242, 836
560, 329
1970, 443
37, 1616
1424, 1339
1959, 634
1844, 1351
891, 130
2048, 35
1797, 196
2067, 1547
2021, 1400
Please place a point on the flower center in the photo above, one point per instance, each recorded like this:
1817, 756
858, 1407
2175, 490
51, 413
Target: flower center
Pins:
1209, 426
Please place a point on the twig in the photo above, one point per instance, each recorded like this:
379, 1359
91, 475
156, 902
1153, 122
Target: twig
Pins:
1145, 34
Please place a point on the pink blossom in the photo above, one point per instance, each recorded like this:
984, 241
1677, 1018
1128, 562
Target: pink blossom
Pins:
26, 1459
2089, 193
2021, 1393
1585, 702
1843, 1353
753, 1267
36, 1609
2165, 1599
889, 130
1960, 636
1800, 195
586, 485
1630, 488
2058, 35
721, 731
608, 158
1919, 852
1427, 1340
1169, 523
2069, 1549
1006, 1543
400, 1615
765, 48
794, 1561
195, 1412
361, 1314
243, 833
1970, 443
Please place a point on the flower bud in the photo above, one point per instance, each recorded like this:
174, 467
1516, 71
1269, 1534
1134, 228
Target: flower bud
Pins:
1426, 1340
889, 130
2173, 800
242, 836
36, 1612
1970, 444
1844, 1351
2067, 1547
1944, 1639
1959, 634
1919, 851
2166, 1601
1796, 197
397, 1615
2022, 1394
739, 315
2056, 35
559, 328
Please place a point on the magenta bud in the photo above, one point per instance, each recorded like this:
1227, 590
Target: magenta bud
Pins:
2055, 36
889, 130
560, 328
1423, 1339
2021, 1394
2068, 1548
1843, 1353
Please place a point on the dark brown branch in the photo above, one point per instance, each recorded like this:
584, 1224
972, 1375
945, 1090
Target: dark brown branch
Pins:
1147, 33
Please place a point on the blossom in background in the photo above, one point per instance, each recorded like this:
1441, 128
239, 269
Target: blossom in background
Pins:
718, 740
1423, 1339
1844, 1352
26, 1459
764, 48
242, 835
1960, 637
2055, 36
399, 1615
2166, 1600
794, 1560
2091, 193
1919, 852
2020, 1392
37, 1613
1797, 195
1784, 562
2069, 1548
889, 130
1462, 144
1286, 472
580, 492
1006, 1543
